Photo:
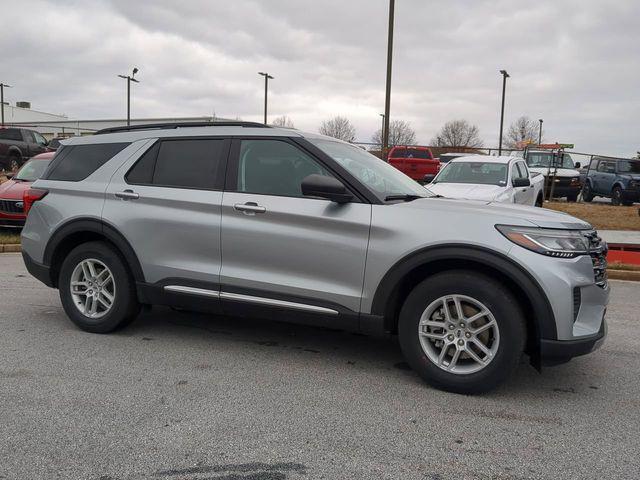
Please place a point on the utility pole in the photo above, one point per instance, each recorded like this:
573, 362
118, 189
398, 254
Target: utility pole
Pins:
382, 129
505, 75
267, 77
540, 132
387, 98
129, 79
2, 85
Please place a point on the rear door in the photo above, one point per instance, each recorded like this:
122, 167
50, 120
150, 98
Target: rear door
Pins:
166, 202
279, 246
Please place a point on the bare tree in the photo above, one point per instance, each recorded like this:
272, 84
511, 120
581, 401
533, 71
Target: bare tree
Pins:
282, 121
340, 128
458, 133
523, 130
400, 133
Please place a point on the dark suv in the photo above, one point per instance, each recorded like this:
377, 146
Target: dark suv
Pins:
617, 178
17, 145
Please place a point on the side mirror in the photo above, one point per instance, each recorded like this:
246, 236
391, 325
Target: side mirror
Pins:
521, 182
325, 187
578, 164
428, 178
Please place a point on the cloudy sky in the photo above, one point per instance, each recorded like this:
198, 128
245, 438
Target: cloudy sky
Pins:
574, 63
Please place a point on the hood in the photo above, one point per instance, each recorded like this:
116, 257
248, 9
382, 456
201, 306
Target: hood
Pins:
562, 172
12, 190
468, 191
498, 213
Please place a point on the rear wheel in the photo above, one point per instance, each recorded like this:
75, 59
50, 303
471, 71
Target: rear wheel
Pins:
462, 331
587, 194
96, 289
14, 163
616, 196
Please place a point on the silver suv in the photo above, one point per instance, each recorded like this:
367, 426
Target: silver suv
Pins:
241, 219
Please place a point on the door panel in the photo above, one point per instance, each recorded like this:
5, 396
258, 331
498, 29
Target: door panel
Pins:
174, 229
297, 246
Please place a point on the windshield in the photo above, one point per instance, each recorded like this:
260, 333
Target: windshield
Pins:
381, 178
32, 170
545, 160
485, 173
628, 166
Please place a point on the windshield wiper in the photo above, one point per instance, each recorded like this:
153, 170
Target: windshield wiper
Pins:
407, 197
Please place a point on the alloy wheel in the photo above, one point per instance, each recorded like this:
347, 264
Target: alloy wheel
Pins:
459, 334
93, 288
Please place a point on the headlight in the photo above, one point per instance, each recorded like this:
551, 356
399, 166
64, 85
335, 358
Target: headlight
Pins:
575, 181
553, 243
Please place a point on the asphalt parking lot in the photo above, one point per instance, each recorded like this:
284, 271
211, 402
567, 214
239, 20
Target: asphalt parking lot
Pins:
189, 397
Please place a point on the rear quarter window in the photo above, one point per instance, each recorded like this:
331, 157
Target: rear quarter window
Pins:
77, 162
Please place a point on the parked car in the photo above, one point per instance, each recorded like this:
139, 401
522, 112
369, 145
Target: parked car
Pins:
616, 178
447, 157
559, 168
494, 179
243, 219
416, 162
17, 145
12, 191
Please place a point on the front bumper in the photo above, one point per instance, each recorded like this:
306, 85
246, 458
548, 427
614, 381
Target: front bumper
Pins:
565, 191
559, 351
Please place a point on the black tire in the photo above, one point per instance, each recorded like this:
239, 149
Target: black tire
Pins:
497, 299
587, 194
616, 196
15, 162
539, 201
125, 305
572, 198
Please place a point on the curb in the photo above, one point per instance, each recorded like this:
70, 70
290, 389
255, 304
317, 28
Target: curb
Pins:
10, 248
633, 275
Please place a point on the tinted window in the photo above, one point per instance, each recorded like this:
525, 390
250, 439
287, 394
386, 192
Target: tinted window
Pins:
181, 163
410, 153
629, 166
77, 162
10, 134
273, 167
32, 170
40, 140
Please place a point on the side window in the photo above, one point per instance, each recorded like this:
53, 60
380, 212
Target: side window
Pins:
28, 136
10, 134
274, 167
520, 171
602, 166
610, 167
40, 140
193, 163
77, 162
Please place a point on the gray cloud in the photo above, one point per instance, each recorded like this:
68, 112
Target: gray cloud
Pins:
573, 63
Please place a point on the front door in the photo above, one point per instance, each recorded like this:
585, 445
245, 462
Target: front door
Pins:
523, 195
279, 246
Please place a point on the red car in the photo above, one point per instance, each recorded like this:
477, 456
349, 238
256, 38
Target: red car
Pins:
415, 162
11, 192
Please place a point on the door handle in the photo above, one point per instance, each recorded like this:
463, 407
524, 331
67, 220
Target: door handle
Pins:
127, 195
249, 208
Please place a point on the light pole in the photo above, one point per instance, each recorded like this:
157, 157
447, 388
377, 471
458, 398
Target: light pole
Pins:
540, 132
129, 79
267, 77
505, 75
382, 129
2, 85
387, 98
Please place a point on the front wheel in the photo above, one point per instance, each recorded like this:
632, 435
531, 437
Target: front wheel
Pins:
462, 331
539, 201
96, 289
587, 194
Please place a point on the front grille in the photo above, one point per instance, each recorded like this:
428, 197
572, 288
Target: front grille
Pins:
598, 251
11, 206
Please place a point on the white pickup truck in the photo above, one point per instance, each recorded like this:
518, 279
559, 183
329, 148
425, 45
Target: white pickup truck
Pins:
494, 179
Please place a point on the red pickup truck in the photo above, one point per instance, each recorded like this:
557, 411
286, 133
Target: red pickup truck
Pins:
416, 162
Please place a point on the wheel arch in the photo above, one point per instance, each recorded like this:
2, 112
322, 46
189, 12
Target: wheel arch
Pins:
79, 231
409, 271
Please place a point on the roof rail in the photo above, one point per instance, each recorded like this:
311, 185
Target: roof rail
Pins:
167, 126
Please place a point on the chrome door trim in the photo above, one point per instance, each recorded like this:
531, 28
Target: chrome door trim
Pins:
276, 303
192, 290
